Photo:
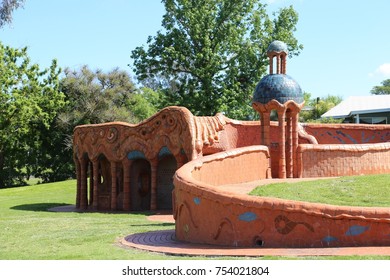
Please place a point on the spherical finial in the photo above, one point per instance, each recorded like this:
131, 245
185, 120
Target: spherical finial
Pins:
277, 47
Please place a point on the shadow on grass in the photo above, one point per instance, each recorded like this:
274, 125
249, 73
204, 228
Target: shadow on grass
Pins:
156, 224
38, 207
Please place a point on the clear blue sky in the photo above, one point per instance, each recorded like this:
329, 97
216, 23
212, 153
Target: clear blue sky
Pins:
346, 42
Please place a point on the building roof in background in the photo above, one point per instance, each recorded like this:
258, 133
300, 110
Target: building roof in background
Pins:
355, 105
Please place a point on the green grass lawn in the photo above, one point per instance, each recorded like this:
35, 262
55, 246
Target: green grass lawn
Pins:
368, 191
29, 232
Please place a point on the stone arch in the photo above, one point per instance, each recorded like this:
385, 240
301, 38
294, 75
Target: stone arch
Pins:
167, 166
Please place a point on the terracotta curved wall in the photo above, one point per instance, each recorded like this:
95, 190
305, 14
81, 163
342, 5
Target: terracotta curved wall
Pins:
344, 160
235, 166
207, 213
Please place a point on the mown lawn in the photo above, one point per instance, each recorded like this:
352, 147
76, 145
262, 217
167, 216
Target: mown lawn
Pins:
368, 191
29, 232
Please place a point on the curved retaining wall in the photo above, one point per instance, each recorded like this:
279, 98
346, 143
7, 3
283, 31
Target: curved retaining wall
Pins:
343, 160
206, 213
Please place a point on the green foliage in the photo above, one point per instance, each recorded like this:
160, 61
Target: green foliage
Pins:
212, 53
383, 89
29, 100
316, 107
367, 191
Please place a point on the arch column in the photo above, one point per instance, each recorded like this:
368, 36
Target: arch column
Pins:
126, 184
78, 187
95, 168
295, 144
83, 184
282, 144
113, 185
266, 129
91, 184
289, 147
153, 190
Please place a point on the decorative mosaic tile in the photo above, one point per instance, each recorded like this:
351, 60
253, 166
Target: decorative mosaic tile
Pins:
280, 87
277, 46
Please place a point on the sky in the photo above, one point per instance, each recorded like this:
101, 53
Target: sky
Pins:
346, 42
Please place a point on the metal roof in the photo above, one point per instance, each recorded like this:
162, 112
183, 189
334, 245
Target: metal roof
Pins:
355, 105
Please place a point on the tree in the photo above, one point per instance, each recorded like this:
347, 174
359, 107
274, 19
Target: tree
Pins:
315, 107
6, 9
212, 53
92, 97
29, 101
383, 89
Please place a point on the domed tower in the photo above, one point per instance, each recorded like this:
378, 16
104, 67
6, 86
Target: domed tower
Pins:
278, 91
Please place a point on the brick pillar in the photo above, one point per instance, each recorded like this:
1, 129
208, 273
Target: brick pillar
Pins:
180, 160
282, 144
95, 168
266, 129
295, 144
284, 64
278, 64
91, 184
289, 147
113, 186
153, 191
78, 185
126, 184
83, 184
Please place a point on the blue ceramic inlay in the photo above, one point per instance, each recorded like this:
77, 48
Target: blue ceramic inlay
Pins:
347, 136
247, 217
329, 239
280, 87
368, 139
356, 230
136, 155
164, 152
197, 200
277, 46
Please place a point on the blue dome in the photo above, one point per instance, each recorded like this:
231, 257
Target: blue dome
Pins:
280, 87
277, 46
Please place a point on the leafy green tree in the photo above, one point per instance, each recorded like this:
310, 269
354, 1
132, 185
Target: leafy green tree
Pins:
315, 107
6, 9
212, 53
29, 100
92, 97
383, 89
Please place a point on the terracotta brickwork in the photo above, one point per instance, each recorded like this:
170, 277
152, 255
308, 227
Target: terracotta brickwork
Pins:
343, 160
121, 166
130, 167
348, 133
206, 213
225, 168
